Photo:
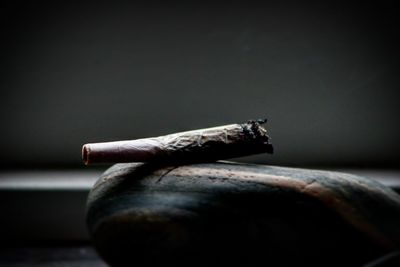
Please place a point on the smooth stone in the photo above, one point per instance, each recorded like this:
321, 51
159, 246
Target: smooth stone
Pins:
233, 214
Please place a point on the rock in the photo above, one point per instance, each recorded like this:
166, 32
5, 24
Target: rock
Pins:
234, 214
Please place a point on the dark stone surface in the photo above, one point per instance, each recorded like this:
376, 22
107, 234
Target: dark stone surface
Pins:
244, 215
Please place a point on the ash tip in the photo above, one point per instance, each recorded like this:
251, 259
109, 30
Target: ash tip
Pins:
259, 121
262, 121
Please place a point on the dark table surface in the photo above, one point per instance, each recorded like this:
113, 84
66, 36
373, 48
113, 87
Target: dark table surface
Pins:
49, 256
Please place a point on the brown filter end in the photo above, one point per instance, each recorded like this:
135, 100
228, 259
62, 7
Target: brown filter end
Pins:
85, 154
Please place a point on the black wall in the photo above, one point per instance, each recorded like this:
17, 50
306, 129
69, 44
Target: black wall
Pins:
326, 75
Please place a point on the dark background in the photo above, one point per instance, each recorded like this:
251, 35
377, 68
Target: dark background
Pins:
325, 74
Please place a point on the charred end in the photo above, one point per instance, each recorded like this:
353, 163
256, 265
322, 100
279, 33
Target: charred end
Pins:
254, 132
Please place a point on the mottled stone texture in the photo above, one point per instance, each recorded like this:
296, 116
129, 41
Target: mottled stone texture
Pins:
240, 215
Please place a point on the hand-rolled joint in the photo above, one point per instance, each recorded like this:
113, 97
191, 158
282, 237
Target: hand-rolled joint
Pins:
203, 145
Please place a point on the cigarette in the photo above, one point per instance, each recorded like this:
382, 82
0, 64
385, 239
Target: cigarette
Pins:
203, 145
